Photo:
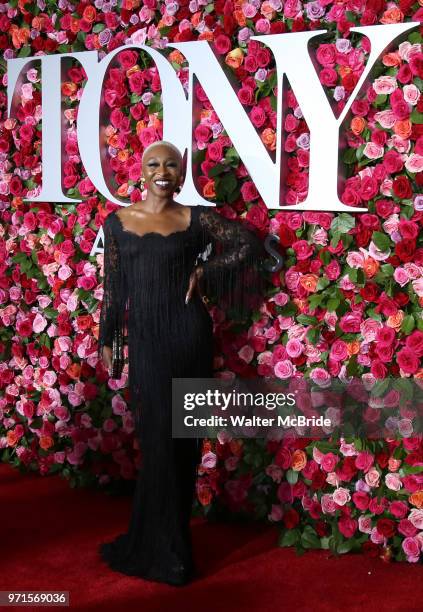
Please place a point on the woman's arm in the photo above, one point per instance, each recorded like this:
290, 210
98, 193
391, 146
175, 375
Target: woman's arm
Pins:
233, 270
112, 314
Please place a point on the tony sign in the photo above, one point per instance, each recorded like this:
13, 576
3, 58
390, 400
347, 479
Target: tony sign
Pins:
292, 59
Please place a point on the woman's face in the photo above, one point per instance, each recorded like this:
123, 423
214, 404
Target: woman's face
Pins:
162, 170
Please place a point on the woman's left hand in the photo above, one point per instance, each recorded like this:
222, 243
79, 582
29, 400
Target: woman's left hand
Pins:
194, 283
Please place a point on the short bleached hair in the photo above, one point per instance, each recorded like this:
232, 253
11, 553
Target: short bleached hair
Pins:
166, 143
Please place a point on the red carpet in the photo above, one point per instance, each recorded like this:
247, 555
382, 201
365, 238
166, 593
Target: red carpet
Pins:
50, 533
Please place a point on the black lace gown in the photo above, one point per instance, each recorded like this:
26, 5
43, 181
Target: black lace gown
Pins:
146, 278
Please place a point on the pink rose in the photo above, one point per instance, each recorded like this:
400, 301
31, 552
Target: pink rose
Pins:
393, 482
328, 505
320, 377
328, 462
284, 369
364, 461
411, 547
365, 524
385, 84
372, 477
416, 518
341, 496
373, 151
294, 348
339, 351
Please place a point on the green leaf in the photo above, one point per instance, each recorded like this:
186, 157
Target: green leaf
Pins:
315, 300
408, 324
292, 476
229, 182
289, 537
344, 547
309, 538
332, 304
306, 319
99, 27
342, 223
216, 170
349, 156
382, 241
25, 51
416, 117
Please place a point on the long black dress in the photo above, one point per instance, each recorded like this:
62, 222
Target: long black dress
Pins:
146, 278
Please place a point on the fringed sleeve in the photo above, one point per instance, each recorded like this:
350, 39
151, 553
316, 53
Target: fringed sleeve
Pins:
113, 307
233, 273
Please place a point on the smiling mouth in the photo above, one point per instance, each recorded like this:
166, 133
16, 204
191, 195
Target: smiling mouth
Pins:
162, 183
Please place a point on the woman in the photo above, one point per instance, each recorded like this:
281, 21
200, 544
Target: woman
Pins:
151, 249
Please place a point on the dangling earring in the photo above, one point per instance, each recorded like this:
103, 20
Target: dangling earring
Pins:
142, 183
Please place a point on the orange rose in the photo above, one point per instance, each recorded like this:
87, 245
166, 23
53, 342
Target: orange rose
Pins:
123, 190
69, 88
416, 499
240, 18
301, 304
298, 460
395, 321
393, 15
140, 126
196, 18
403, 129
370, 267
206, 35
123, 155
177, 57
353, 348
392, 59
234, 58
208, 189
358, 124
269, 138
309, 282
89, 13
11, 438
74, 371
37, 23
20, 36
113, 140
74, 25
133, 69
46, 442
267, 11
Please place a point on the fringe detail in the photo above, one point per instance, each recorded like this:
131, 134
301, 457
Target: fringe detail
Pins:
233, 273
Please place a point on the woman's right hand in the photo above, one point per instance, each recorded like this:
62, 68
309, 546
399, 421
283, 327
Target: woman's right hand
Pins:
107, 358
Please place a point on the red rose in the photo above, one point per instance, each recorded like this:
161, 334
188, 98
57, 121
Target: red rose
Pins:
386, 527
328, 77
291, 518
416, 64
402, 188
287, 236
369, 292
347, 526
257, 216
405, 249
222, 44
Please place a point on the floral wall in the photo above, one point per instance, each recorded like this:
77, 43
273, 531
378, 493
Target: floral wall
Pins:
347, 301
